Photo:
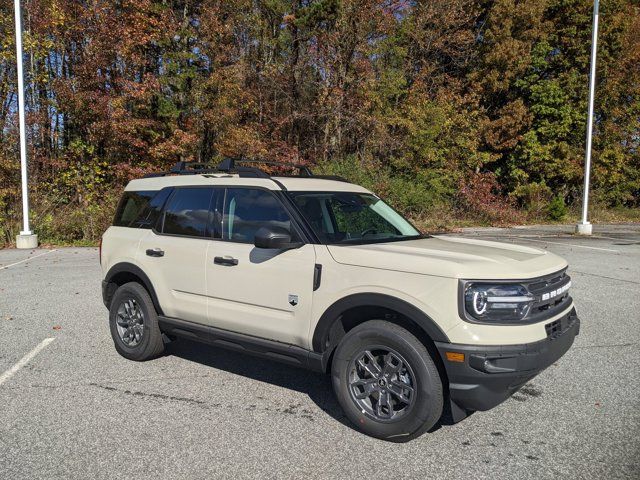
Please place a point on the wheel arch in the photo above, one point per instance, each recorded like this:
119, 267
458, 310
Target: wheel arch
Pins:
354, 309
126, 272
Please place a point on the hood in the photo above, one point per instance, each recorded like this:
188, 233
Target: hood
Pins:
453, 257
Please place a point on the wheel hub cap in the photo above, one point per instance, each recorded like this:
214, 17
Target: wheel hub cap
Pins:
130, 322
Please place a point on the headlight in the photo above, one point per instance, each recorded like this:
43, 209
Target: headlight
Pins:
496, 303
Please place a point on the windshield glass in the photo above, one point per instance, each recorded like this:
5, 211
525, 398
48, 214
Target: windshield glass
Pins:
352, 217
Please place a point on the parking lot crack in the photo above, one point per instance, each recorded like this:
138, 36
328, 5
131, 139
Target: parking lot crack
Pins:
608, 345
158, 396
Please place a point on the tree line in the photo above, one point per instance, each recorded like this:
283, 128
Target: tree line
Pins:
449, 108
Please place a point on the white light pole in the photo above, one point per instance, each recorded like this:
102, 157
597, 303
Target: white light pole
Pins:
26, 239
584, 227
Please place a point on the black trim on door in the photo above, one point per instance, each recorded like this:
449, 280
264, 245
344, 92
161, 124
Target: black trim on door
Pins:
232, 262
317, 276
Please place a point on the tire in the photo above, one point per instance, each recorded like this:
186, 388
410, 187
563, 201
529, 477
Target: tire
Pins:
406, 377
133, 322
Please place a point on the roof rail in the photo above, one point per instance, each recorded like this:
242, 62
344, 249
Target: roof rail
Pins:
228, 165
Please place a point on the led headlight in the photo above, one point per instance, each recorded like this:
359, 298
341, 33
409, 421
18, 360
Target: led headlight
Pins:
497, 303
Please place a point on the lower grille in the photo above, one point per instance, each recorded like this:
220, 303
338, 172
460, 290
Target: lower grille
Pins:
554, 328
558, 327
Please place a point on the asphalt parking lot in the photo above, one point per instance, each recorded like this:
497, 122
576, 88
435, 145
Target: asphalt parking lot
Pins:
79, 410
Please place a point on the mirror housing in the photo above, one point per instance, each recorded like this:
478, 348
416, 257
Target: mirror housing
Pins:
274, 237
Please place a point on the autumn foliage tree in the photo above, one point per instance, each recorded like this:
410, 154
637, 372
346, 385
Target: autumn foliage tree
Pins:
460, 107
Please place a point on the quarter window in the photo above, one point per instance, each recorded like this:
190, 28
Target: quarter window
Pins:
247, 209
188, 212
132, 208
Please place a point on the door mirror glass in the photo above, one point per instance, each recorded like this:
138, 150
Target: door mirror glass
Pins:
275, 237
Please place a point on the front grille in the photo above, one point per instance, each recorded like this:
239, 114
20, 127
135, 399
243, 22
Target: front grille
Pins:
547, 301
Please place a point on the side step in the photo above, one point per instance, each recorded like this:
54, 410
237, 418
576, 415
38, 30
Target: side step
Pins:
281, 352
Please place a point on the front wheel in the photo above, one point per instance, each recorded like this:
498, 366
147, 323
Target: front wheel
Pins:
386, 381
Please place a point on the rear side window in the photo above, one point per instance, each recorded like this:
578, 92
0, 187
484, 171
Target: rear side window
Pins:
154, 210
188, 212
132, 208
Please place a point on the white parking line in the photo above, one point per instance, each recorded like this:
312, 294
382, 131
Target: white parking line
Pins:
27, 259
527, 239
24, 360
575, 245
606, 238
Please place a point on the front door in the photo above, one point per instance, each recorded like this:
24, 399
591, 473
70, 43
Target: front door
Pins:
261, 292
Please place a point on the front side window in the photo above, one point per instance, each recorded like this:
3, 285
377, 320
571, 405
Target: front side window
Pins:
246, 210
188, 212
352, 217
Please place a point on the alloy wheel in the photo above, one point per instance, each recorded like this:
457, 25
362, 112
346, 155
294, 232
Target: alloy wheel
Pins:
382, 383
130, 322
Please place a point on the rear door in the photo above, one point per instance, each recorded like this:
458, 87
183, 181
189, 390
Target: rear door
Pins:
260, 292
173, 253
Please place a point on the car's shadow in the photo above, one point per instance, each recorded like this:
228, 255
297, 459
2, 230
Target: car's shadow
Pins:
316, 385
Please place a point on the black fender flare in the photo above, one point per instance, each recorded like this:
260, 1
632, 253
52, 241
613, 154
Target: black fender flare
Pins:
126, 267
334, 312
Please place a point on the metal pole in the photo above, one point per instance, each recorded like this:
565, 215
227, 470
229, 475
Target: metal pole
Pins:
21, 116
584, 226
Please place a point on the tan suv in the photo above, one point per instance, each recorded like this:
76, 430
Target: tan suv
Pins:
320, 273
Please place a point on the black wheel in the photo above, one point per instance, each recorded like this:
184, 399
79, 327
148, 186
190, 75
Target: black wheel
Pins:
133, 322
386, 381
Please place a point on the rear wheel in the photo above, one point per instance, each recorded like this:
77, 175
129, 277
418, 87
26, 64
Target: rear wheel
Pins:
386, 381
133, 322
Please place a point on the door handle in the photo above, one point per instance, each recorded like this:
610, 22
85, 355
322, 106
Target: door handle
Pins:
155, 252
229, 261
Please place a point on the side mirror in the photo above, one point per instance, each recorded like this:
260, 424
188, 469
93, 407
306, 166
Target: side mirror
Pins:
276, 238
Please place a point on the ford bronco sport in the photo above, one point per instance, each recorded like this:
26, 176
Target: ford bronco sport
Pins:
320, 273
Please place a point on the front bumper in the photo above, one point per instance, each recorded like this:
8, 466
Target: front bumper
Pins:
491, 374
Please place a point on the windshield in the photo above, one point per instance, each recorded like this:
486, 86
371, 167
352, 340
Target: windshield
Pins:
352, 217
